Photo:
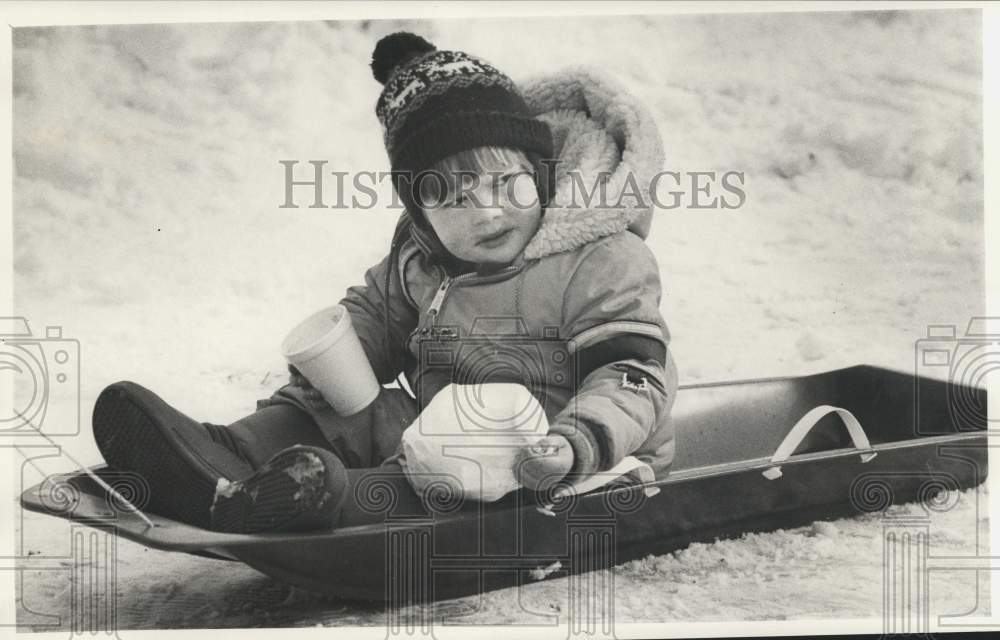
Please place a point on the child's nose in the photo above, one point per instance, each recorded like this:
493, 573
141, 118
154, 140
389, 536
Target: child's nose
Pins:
492, 202
490, 212
503, 199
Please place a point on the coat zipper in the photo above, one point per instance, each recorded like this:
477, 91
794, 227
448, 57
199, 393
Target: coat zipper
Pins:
442, 291
438, 300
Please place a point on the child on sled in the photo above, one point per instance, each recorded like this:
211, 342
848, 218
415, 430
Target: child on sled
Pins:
510, 224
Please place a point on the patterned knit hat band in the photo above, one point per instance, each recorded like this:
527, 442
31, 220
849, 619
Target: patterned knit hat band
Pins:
437, 103
434, 73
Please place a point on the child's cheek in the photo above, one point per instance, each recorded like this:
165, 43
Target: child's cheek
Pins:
460, 233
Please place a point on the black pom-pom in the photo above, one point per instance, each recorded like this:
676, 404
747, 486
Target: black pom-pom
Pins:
394, 50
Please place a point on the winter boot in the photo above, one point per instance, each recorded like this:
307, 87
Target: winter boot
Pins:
299, 489
181, 459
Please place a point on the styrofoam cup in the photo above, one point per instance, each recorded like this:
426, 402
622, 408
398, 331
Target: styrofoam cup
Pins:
327, 351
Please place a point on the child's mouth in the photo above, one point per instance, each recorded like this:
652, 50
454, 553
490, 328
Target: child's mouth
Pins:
491, 242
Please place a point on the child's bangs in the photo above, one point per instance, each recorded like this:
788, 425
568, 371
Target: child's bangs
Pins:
479, 161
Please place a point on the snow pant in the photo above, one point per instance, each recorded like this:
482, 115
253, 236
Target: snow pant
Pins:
376, 483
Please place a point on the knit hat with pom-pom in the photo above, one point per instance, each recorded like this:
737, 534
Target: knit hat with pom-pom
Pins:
437, 103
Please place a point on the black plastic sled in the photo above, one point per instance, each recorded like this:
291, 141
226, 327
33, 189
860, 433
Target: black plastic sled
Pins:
752, 456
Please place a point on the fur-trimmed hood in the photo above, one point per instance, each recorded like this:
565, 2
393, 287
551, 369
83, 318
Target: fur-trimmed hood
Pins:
598, 128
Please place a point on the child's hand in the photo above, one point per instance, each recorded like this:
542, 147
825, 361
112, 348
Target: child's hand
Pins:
312, 396
544, 463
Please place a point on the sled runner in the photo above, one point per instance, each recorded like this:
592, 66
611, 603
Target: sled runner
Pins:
753, 455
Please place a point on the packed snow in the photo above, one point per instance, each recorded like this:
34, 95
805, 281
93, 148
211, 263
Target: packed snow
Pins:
147, 225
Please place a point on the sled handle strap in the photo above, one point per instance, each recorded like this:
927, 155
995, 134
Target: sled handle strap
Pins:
805, 425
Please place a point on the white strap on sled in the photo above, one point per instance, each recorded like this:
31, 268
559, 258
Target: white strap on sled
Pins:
805, 425
629, 466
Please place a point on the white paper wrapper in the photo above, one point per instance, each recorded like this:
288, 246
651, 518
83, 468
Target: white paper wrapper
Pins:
468, 437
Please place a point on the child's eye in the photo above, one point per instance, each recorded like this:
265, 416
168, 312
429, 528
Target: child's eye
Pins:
507, 177
460, 202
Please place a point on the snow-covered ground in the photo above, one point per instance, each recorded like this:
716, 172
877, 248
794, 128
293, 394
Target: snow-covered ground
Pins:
147, 225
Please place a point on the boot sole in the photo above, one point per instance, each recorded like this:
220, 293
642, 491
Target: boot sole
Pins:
130, 440
291, 492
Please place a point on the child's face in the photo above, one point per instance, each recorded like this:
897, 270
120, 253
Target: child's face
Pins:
488, 220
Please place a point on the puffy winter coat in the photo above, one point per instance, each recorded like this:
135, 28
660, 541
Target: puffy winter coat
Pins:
575, 318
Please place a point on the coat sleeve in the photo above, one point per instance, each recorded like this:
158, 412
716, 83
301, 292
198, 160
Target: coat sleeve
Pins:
367, 306
627, 378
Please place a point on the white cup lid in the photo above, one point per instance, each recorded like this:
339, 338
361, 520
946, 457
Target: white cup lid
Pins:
316, 333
